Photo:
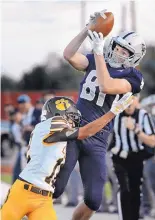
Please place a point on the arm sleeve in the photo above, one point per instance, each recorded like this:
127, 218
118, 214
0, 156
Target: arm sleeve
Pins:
149, 128
59, 136
136, 80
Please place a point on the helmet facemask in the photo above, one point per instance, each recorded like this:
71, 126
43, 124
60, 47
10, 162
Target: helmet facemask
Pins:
117, 60
74, 118
130, 41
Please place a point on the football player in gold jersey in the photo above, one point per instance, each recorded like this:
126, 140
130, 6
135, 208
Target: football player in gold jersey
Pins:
31, 194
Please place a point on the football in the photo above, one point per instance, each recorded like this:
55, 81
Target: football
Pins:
103, 24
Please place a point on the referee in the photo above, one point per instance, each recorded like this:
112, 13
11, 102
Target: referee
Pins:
133, 142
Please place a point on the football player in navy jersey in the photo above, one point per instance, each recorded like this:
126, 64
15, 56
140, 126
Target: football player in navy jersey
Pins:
106, 75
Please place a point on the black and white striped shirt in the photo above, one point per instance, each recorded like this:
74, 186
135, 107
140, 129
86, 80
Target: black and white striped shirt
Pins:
126, 141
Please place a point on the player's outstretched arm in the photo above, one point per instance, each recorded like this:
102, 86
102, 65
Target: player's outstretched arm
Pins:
117, 107
107, 84
65, 133
71, 54
76, 59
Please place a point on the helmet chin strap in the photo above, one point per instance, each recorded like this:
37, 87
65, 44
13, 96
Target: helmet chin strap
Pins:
115, 65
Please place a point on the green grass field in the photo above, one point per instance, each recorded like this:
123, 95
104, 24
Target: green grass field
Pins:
7, 178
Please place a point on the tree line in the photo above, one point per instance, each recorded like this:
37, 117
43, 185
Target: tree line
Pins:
63, 77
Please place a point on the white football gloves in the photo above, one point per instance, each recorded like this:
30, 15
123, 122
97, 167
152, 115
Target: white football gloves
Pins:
93, 17
119, 106
97, 42
96, 39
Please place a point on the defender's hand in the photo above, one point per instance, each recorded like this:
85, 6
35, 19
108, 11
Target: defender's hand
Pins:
97, 42
119, 106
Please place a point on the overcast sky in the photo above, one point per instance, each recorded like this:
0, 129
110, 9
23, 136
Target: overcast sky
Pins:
30, 30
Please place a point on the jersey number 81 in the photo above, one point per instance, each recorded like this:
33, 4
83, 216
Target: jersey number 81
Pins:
89, 89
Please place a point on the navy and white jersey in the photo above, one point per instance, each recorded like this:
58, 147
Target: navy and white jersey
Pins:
91, 102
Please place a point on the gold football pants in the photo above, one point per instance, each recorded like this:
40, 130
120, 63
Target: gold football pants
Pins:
21, 202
